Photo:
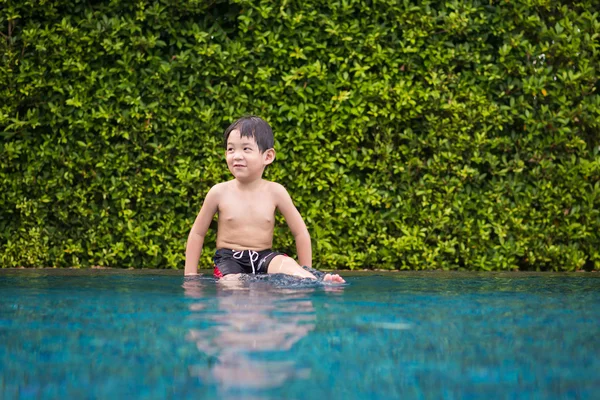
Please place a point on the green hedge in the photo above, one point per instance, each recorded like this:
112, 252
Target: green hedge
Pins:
411, 134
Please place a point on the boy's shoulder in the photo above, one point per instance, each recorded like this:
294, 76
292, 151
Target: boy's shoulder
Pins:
223, 186
218, 190
274, 187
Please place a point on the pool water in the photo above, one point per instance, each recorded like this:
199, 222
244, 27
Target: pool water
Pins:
154, 335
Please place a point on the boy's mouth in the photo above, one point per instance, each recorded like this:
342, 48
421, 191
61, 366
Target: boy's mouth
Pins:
238, 166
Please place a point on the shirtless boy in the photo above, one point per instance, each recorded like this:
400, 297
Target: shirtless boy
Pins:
246, 207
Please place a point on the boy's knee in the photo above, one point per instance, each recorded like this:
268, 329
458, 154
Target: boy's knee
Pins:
289, 266
276, 264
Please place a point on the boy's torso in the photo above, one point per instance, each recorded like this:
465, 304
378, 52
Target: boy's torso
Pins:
246, 218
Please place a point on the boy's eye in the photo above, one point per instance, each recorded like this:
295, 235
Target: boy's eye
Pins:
247, 148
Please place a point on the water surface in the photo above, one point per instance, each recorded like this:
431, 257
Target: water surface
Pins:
154, 335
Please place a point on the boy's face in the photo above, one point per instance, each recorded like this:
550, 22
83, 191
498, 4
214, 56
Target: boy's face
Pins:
244, 159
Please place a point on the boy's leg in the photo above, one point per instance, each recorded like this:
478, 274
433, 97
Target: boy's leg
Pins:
231, 281
287, 265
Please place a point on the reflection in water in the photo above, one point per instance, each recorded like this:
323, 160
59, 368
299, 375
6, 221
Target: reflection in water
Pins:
246, 330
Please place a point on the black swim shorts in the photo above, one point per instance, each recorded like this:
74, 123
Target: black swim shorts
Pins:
229, 261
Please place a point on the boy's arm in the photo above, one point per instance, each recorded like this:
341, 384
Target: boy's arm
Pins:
296, 225
195, 240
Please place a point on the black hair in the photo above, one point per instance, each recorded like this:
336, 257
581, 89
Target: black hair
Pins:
252, 126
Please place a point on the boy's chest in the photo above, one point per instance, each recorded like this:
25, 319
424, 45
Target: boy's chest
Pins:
248, 207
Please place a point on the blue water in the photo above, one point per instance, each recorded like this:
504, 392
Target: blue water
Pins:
152, 335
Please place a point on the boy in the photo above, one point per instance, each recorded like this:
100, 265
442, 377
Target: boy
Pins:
246, 206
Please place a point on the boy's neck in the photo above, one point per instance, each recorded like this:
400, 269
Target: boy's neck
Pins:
252, 185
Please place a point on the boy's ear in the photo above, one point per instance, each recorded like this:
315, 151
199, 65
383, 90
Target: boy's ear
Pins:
269, 156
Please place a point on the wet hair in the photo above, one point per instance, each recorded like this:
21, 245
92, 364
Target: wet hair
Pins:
255, 127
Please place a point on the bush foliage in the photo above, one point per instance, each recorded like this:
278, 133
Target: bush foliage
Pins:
411, 134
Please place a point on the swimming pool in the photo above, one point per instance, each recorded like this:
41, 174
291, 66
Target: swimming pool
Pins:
154, 334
